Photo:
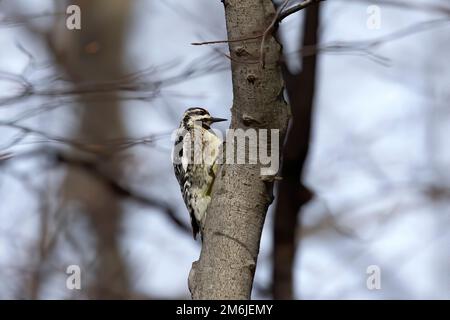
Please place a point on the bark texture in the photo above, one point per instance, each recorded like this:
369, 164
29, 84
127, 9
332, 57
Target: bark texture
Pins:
292, 193
241, 196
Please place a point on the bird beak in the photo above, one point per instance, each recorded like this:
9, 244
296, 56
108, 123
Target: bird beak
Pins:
212, 119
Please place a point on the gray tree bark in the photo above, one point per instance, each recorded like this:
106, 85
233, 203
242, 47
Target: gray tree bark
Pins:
240, 195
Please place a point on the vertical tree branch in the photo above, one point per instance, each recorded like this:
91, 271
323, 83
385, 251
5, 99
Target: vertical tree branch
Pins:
241, 196
96, 53
292, 194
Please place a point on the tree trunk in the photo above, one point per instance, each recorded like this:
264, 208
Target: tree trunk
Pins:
95, 54
240, 195
292, 193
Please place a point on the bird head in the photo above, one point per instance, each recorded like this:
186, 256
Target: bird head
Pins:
198, 117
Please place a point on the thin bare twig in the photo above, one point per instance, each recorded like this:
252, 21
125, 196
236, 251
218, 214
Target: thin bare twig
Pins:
123, 191
278, 17
103, 148
60, 158
366, 47
269, 29
226, 41
296, 8
18, 20
408, 5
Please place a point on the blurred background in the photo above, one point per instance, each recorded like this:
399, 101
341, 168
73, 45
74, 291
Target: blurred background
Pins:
86, 177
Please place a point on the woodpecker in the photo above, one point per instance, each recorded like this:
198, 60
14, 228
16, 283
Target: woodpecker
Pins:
194, 161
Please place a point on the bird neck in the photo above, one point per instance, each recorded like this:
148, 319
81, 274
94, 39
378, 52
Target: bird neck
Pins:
204, 126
